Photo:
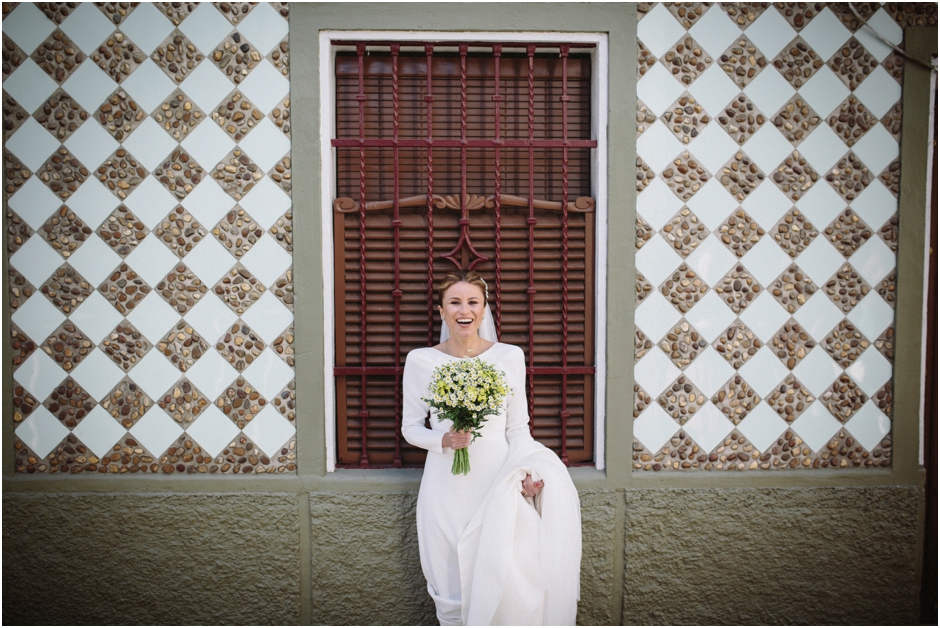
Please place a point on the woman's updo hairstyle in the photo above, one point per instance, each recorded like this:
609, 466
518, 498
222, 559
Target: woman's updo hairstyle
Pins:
469, 276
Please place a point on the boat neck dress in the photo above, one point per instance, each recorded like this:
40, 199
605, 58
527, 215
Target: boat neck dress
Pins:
491, 556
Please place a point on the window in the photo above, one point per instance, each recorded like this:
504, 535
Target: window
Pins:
433, 173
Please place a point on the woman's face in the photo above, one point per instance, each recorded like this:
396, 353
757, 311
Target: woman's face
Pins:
463, 309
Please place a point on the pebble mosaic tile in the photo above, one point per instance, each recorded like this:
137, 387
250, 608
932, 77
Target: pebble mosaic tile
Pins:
107, 215
803, 97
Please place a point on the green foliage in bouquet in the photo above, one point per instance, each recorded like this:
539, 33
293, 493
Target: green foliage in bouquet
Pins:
465, 392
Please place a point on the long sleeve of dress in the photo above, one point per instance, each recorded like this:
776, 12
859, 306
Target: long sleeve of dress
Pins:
414, 409
517, 409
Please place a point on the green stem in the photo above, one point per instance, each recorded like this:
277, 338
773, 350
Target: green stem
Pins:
461, 462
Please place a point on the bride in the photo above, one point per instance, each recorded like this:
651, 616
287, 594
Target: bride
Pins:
502, 544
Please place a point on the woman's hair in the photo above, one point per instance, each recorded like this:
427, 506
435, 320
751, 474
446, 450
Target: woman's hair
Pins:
470, 276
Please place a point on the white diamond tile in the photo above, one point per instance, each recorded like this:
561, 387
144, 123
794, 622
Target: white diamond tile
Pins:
212, 373
149, 85
212, 430
41, 431
90, 86
882, 24
770, 33
147, 26
153, 317
151, 260
769, 90
710, 316
818, 315
654, 427
94, 260
38, 317
870, 371
658, 89
156, 431
93, 202
97, 374
210, 317
269, 429
762, 426
269, 373
266, 202
87, 27
658, 259
29, 85
150, 202
209, 260
767, 204
654, 372
659, 30
763, 371
820, 259
764, 316
154, 374
208, 202
877, 149
816, 426
99, 431
873, 260
92, 145
655, 316
824, 91
205, 27
39, 374
708, 426
267, 260
817, 371
713, 89
715, 31
267, 144
711, 260
879, 92
658, 204
36, 260
34, 202
264, 28
265, 86
96, 317
766, 260
767, 148
208, 145
709, 371
869, 426
207, 86
825, 34
872, 315
713, 147
658, 147
27, 26
149, 143
821, 204
32, 144
269, 318
712, 204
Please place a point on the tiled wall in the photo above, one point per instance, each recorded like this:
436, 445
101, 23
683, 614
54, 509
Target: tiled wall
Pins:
147, 176
767, 182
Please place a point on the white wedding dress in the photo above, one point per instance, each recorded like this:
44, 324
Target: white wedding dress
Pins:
490, 556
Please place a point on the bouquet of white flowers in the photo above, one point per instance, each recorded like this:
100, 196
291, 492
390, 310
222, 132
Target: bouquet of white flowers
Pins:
466, 392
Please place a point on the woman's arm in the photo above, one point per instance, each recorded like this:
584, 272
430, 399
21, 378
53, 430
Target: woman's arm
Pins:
414, 409
517, 409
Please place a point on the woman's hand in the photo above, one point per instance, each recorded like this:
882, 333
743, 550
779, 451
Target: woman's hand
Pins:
530, 488
456, 440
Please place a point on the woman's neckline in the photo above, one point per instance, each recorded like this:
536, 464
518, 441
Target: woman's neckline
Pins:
488, 349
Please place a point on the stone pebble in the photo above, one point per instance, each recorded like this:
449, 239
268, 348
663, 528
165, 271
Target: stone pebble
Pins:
848, 17
68, 346
13, 56
792, 343
18, 232
282, 230
127, 402
738, 288
15, 174
183, 346
239, 289
843, 451
797, 62
892, 120
688, 13
644, 59
63, 173
641, 401
283, 288
849, 177
643, 232
184, 456
122, 231
117, 11
740, 176
742, 61
280, 58
181, 288
118, 56
894, 65
912, 13
843, 398
885, 343
686, 60
240, 345
737, 344
179, 173
684, 232
679, 452
235, 11
61, 115
237, 174
891, 177
685, 176
281, 116
643, 288
796, 119
183, 402
236, 115
120, 115
789, 452
741, 119
69, 456
795, 176
121, 173
20, 288
283, 345
846, 288
177, 11
65, 232
740, 232
125, 346
683, 344
799, 14
684, 288
884, 398
58, 56
241, 402
682, 400
55, 11
177, 56
845, 343
792, 288
794, 232
285, 402
21, 344
790, 399
644, 175
66, 289
124, 457
847, 232
236, 57
23, 403
69, 403
281, 174
736, 399
851, 120
124, 289
178, 115
180, 231
686, 118
13, 117
641, 345
888, 288
852, 63
744, 13
734, 453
